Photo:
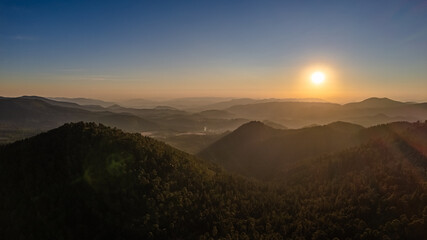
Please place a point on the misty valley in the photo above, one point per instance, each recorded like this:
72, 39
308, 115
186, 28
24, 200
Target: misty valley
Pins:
212, 169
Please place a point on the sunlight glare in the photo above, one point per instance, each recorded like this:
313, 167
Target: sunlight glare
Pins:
317, 78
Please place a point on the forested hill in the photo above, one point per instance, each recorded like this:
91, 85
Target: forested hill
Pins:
91, 182
88, 181
259, 151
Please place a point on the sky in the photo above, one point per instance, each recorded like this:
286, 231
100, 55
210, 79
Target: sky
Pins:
260, 49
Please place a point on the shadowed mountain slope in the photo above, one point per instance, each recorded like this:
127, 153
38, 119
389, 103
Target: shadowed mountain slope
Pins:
85, 180
39, 113
259, 151
88, 181
256, 150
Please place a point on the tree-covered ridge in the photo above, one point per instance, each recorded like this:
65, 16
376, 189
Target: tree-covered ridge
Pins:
367, 189
89, 181
91, 177
259, 151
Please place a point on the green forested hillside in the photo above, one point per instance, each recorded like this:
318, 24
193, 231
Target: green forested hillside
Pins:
88, 181
259, 151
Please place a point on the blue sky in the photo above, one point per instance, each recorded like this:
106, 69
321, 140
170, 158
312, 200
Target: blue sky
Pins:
130, 49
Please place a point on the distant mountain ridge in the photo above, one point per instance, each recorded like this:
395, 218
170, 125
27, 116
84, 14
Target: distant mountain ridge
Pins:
33, 114
166, 122
376, 103
180, 103
41, 113
84, 101
244, 101
197, 104
369, 112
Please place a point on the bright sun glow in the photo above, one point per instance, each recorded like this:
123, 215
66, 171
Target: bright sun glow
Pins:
317, 78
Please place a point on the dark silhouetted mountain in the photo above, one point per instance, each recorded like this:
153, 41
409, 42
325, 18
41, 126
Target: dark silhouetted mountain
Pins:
54, 102
257, 150
88, 181
84, 101
41, 114
67, 104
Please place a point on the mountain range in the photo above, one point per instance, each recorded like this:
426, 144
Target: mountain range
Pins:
369, 112
259, 151
32, 114
85, 180
25, 116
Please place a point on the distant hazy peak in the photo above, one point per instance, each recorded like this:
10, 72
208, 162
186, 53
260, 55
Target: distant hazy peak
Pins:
375, 102
83, 101
380, 100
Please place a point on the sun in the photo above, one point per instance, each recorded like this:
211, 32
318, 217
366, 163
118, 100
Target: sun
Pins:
317, 78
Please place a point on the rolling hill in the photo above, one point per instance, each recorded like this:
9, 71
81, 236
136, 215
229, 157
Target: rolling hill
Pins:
42, 114
372, 103
369, 112
32, 114
222, 105
84, 101
85, 180
257, 150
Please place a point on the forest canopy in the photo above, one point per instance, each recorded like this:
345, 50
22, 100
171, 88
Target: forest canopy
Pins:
85, 180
